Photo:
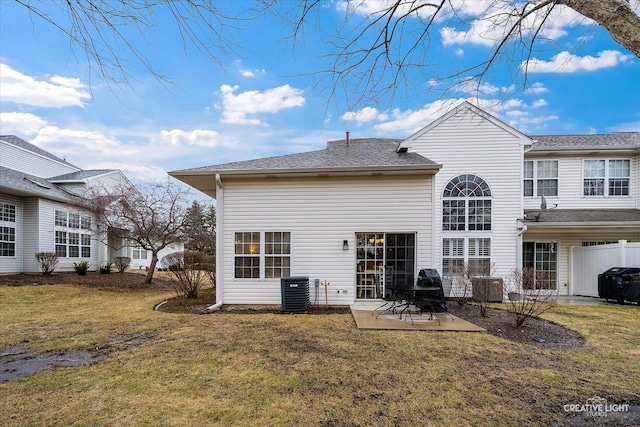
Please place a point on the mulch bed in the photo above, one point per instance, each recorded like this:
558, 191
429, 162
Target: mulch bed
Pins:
113, 281
536, 332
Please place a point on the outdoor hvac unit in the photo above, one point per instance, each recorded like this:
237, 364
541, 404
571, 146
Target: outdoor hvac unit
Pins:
487, 288
295, 294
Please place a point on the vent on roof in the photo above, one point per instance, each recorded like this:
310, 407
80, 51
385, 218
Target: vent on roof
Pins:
39, 184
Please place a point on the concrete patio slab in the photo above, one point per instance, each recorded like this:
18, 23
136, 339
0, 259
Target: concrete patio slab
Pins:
368, 319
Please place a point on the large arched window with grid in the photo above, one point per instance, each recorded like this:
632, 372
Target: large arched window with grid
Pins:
466, 225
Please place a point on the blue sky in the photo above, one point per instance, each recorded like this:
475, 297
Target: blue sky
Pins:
267, 100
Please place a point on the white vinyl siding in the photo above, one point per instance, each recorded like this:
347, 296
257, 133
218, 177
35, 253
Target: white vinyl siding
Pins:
48, 230
540, 178
11, 226
468, 143
571, 185
606, 178
320, 213
16, 158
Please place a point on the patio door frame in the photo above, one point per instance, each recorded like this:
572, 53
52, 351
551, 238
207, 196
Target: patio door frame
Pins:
378, 254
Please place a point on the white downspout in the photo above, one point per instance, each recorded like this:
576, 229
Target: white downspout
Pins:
219, 247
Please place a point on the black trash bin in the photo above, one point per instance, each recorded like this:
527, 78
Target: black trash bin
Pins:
620, 284
295, 294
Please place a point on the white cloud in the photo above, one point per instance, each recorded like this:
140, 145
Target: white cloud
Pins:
79, 146
566, 62
21, 124
238, 108
56, 92
522, 116
410, 121
252, 73
198, 137
365, 115
133, 171
495, 19
536, 89
540, 103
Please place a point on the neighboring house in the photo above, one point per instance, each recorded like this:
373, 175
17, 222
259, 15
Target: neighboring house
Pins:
466, 189
41, 198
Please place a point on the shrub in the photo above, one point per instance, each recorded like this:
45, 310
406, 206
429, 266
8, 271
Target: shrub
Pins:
530, 295
188, 271
81, 267
106, 268
48, 262
461, 288
122, 263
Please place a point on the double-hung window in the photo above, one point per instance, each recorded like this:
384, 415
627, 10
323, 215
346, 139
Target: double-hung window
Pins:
540, 178
72, 234
262, 254
7, 230
605, 177
139, 252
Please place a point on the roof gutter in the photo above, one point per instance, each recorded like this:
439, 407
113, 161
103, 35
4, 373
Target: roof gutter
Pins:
365, 170
219, 242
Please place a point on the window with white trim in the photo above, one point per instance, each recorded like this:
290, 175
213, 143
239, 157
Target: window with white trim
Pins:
460, 251
466, 225
139, 252
262, 254
605, 177
72, 234
7, 212
7, 230
7, 241
540, 178
466, 204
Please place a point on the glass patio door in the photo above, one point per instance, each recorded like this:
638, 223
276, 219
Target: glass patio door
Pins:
383, 259
540, 265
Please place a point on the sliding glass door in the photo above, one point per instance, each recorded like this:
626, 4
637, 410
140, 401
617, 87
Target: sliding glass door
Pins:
383, 259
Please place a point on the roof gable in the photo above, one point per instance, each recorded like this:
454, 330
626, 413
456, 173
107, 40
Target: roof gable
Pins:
27, 146
464, 108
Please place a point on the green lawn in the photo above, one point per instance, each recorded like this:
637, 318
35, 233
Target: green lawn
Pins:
283, 369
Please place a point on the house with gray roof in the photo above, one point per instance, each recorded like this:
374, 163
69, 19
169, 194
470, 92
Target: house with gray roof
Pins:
41, 199
465, 190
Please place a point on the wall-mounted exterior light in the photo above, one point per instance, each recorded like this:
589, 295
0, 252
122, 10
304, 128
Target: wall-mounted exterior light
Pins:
345, 245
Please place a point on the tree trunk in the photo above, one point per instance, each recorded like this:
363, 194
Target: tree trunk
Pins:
615, 16
152, 267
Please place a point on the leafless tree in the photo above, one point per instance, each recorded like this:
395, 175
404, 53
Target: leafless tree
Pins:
530, 294
107, 31
380, 42
377, 39
152, 217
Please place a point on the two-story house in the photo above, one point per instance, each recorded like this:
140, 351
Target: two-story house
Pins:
41, 199
466, 189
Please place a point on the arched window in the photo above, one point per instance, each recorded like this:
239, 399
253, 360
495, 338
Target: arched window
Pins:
466, 225
466, 204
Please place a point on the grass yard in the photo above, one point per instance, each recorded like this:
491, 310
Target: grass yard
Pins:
313, 370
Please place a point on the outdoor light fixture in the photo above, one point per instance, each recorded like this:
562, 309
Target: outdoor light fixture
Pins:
345, 245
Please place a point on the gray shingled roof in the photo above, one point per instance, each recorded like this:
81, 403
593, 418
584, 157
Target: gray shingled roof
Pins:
360, 153
15, 182
80, 175
563, 216
18, 142
615, 139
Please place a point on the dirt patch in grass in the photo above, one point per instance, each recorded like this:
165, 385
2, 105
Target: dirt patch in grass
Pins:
19, 361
